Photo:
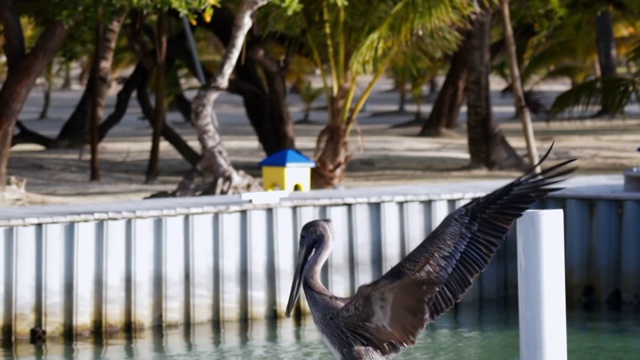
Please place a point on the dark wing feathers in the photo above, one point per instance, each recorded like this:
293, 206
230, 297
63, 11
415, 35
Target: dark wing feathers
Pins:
387, 315
464, 243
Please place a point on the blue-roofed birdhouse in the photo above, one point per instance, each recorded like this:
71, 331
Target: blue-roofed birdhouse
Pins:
287, 170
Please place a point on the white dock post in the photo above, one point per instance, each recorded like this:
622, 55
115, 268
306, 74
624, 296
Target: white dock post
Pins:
541, 286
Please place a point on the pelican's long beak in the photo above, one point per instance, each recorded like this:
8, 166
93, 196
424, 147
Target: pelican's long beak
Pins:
303, 255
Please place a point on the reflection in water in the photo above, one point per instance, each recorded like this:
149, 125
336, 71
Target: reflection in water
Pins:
461, 334
187, 336
159, 341
69, 351
129, 346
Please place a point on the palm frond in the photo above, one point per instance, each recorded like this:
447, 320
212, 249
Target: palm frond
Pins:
434, 24
634, 54
308, 93
612, 93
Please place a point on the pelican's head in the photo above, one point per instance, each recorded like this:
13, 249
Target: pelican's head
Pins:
314, 235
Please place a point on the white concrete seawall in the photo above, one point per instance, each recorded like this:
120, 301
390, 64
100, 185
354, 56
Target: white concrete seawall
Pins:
91, 268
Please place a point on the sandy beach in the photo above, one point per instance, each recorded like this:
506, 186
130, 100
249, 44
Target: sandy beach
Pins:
387, 155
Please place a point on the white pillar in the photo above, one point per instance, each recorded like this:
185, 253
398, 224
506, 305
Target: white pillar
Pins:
541, 285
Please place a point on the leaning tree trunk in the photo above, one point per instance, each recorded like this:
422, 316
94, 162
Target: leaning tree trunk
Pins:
138, 75
105, 48
444, 115
172, 137
487, 145
22, 71
138, 80
215, 160
265, 105
446, 108
516, 85
75, 131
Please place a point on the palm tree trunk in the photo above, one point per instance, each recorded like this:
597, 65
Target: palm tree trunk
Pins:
402, 91
96, 110
76, 130
487, 145
606, 49
331, 164
446, 108
215, 160
332, 148
159, 113
48, 78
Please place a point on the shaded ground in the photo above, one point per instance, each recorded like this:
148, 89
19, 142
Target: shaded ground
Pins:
389, 155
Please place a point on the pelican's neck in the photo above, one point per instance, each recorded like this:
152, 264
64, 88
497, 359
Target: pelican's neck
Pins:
314, 265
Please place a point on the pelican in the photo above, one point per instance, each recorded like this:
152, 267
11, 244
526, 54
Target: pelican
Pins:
387, 315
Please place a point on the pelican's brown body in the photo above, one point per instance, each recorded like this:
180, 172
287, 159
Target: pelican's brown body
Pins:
389, 314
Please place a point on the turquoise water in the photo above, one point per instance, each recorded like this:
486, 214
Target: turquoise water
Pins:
492, 335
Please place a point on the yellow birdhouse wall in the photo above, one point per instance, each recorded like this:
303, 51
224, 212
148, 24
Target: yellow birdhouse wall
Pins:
286, 178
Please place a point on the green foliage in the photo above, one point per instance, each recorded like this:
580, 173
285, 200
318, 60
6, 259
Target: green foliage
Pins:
416, 65
367, 31
291, 6
566, 47
183, 6
564, 44
634, 54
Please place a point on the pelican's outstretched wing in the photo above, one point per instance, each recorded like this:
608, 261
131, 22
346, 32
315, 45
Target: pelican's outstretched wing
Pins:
387, 316
462, 245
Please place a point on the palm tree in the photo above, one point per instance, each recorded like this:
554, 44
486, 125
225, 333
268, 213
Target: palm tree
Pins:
610, 92
415, 66
348, 41
554, 50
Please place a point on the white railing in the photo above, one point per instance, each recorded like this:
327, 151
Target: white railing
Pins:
106, 267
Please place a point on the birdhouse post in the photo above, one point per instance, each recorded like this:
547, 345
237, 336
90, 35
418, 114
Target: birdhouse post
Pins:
287, 170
